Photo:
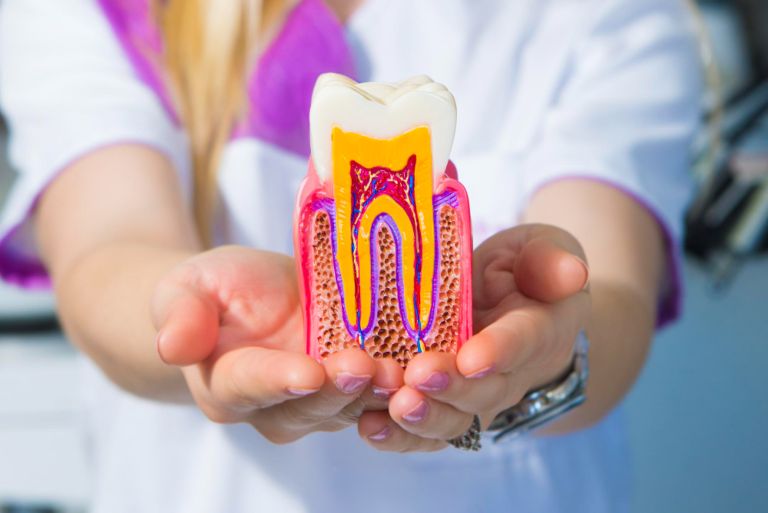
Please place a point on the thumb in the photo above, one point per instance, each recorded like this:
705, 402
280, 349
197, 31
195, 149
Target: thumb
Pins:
187, 322
550, 266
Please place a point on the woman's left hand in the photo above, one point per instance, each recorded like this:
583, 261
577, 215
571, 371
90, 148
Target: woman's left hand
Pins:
530, 301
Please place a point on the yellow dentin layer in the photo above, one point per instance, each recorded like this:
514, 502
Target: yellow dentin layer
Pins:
387, 188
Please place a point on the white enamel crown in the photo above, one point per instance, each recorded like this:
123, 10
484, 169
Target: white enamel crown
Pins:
380, 111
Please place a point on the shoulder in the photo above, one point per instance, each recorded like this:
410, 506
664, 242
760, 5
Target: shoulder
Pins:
63, 23
67, 87
65, 42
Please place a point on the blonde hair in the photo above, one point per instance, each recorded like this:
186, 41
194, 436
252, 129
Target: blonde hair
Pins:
210, 47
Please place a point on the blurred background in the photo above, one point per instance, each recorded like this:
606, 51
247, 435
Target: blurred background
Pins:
698, 417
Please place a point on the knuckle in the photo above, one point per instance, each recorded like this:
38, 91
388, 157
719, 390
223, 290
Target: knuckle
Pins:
557, 359
236, 392
482, 396
295, 415
535, 329
351, 412
239, 392
498, 396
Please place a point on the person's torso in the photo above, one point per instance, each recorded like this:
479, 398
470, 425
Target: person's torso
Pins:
504, 62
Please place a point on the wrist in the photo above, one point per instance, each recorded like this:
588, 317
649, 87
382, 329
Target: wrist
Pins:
542, 405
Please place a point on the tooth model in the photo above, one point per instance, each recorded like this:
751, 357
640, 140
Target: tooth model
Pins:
382, 224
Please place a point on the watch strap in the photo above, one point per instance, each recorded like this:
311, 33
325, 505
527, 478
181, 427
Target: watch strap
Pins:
548, 402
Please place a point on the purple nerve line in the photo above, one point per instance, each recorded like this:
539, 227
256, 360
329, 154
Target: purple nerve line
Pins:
446, 198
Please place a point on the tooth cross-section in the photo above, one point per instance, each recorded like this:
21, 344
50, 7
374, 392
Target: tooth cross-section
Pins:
383, 234
384, 180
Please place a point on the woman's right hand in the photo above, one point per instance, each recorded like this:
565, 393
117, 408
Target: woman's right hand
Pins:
231, 319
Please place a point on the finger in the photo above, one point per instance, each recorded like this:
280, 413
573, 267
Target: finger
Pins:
252, 378
378, 429
347, 374
435, 374
187, 323
428, 418
386, 381
533, 333
548, 268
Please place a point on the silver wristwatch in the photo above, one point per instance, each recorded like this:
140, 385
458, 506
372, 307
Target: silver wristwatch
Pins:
544, 404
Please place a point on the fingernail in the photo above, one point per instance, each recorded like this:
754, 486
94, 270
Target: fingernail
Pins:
586, 272
418, 413
158, 347
436, 382
481, 373
383, 393
351, 383
301, 392
380, 435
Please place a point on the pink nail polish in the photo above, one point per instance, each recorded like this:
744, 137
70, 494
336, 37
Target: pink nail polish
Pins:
481, 373
383, 393
436, 382
301, 392
380, 435
350, 383
417, 414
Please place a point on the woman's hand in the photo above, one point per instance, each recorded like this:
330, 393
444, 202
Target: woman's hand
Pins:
231, 317
530, 302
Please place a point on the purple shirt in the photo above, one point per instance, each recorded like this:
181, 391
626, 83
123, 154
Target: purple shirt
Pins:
311, 42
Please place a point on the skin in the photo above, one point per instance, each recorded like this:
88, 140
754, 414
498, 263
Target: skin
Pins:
530, 302
168, 321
